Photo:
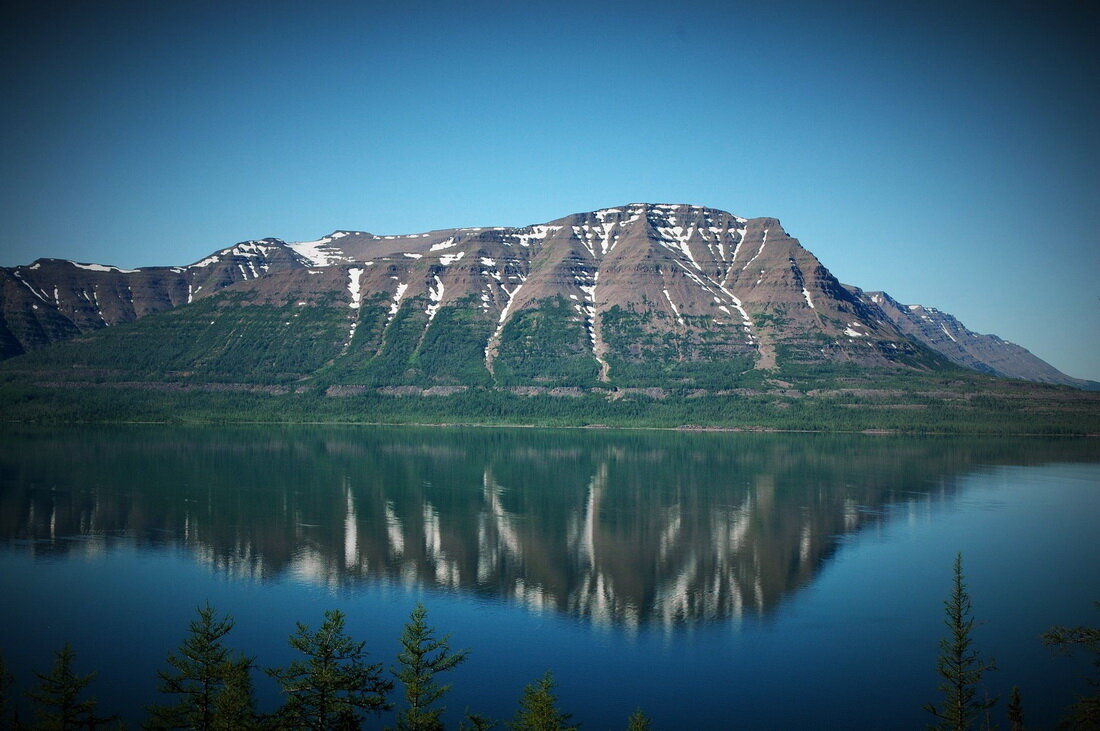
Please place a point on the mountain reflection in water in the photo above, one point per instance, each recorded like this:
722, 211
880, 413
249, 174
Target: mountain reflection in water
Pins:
625, 528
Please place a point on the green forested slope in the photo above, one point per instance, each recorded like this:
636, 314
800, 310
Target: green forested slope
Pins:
230, 358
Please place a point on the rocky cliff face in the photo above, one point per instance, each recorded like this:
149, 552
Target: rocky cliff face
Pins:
635, 296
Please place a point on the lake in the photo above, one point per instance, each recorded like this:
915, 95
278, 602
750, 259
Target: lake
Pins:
716, 580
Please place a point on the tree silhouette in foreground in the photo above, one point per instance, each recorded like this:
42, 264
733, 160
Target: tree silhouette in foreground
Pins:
197, 675
638, 721
235, 704
421, 658
1015, 710
538, 708
1085, 711
57, 699
333, 688
959, 664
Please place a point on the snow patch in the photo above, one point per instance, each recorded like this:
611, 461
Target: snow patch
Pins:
675, 310
508, 306
759, 251
737, 247
444, 244
448, 259
35, 292
495, 338
397, 300
525, 236
436, 294
353, 286
680, 236
102, 268
318, 253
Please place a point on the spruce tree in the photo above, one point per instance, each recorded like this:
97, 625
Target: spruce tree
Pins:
538, 708
959, 664
196, 675
638, 721
333, 687
57, 701
421, 658
1015, 710
235, 703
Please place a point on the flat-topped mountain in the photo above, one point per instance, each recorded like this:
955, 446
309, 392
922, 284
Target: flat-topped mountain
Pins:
638, 296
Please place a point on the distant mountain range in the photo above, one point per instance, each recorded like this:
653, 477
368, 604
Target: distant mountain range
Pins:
640, 296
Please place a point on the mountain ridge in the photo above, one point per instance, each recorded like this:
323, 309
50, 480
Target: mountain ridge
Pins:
605, 294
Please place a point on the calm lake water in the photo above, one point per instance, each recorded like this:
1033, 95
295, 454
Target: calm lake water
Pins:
715, 580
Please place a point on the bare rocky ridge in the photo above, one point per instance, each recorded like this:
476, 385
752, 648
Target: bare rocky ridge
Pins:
603, 291
54, 299
985, 353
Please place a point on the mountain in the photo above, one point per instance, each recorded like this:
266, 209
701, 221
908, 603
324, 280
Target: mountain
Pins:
642, 296
949, 337
53, 299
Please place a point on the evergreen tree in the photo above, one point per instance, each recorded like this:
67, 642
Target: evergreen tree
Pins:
538, 708
1015, 710
57, 698
235, 703
959, 664
421, 658
196, 674
1085, 711
333, 687
638, 721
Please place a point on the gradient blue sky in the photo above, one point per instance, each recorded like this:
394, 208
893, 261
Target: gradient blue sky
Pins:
944, 152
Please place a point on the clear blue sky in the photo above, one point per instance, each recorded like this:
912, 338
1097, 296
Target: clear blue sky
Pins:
946, 153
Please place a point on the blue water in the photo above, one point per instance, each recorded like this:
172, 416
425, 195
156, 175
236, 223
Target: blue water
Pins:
845, 638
